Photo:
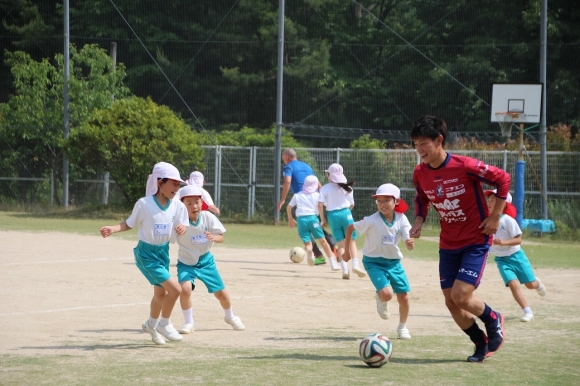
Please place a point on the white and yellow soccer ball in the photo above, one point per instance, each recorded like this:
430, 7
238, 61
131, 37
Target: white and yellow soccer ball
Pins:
375, 350
297, 254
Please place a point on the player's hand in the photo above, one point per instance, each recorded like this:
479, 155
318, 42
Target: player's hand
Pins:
106, 231
490, 225
498, 241
410, 243
180, 229
280, 205
209, 236
346, 256
322, 222
291, 222
415, 231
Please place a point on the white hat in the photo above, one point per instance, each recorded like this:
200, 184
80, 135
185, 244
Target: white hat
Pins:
508, 199
161, 170
310, 185
189, 190
196, 178
335, 173
388, 190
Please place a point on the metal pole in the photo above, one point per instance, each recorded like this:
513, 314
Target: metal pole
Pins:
280, 85
106, 176
66, 98
543, 137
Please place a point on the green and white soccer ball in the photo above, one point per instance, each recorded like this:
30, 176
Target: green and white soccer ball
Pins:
297, 254
375, 350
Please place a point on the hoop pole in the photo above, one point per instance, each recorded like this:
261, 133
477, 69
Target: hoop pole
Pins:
519, 191
521, 155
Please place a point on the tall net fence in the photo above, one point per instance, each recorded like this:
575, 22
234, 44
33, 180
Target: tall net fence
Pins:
240, 179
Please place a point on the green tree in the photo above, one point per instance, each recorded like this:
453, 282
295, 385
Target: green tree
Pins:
129, 137
32, 120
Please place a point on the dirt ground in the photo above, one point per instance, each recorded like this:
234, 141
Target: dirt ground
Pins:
63, 291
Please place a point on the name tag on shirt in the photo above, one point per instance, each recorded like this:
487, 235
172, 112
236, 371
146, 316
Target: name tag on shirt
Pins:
199, 239
388, 240
162, 229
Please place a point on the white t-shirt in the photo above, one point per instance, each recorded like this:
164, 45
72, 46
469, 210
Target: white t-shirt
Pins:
382, 239
194, 242
156, 224
306, 204
508, 229
335, 197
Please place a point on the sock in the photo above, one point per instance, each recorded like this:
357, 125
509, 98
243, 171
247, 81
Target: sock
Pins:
527, 310
164, 321
541, 285
488, 316
401, 326
476, 335
152, 322
344, 266
188, 315
332, 261
355, 263
229, 313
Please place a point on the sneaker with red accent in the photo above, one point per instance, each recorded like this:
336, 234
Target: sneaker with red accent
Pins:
481, 352
495, 332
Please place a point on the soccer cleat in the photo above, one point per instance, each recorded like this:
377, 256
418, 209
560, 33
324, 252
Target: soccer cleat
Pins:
383, 308
481, 352
155, 337
542, 290
310, 257
495, 332
187, 328
319, 260
236, 323
346, 275
403, 333
169, 332
528, 317
359, 271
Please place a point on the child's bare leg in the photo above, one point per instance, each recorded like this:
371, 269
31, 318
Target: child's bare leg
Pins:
325, 247
386, 294
185, 297
518, 293
224, 299
403, 299
533, 285
157, 301
173, 290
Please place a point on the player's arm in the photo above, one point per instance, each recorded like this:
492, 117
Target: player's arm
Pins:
406, 235
106, 231
347, 240
321, 213
219, 238
422, 203
509, 242
291, 221
285, 189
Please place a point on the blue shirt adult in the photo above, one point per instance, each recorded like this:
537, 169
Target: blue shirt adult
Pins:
298, 171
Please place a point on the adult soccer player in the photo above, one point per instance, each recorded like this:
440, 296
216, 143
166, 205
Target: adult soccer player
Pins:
452, 184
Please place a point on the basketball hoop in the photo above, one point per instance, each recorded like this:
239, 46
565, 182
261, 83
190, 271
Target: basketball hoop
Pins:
506, 121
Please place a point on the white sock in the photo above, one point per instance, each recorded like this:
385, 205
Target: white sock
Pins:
188, 315
164, 321
344, 266
355, 263
401, 326
541, 286
528, 310
332, 260
229, 313
151, 322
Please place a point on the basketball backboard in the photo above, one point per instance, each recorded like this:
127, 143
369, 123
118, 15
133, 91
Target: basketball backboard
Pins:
525, 99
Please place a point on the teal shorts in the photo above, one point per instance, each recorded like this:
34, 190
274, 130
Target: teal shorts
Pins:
387, 272
205, 270
153, 262
339, 220
516, 266
309, 225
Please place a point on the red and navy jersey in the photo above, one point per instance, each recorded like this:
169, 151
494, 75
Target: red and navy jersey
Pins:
455, 190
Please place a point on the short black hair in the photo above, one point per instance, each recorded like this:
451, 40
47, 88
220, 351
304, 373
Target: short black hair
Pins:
429, 126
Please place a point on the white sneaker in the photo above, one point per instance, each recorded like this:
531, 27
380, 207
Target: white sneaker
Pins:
346, 275
528, 317
236, 323
333, 264
542, 290
187, 328
169, 332
310, 257
404, 333
359, 271
382, 307
155, 337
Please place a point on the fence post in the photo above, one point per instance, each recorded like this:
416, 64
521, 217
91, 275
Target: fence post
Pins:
505, 159
106, 188
218, 175
51, 186
253, 181
338, 155
251, 168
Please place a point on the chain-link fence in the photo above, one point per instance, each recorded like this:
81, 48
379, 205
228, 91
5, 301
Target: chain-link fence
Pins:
241, 180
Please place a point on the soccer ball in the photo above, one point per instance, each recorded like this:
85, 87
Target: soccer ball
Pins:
297, 254
375, 350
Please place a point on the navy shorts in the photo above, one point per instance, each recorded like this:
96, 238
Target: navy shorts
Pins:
466, 264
